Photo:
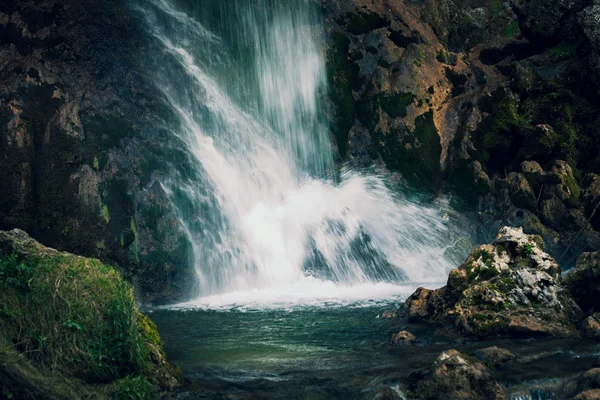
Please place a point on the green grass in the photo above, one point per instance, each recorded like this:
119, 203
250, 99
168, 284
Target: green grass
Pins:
75, 317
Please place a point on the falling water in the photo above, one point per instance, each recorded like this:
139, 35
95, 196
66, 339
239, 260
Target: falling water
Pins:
270, 216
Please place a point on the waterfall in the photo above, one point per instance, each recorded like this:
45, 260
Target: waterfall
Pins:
270, 216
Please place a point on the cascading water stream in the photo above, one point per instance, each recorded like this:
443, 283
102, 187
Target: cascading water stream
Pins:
269, 217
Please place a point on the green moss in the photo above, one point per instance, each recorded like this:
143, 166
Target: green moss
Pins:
417, 63
136, 248
572, 186
499, 135
484, 255
395, 105
512, 29
134, 388
363, 22
485, 324
105, 213
505, 282
75, 316
96, 164
561, 52
442, 56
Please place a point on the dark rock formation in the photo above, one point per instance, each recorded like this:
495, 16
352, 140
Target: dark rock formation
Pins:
83, 143
458, 97
590, 327
455, 376
584, 282
508, 287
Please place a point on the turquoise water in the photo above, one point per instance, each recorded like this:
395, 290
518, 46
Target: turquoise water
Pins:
341, 352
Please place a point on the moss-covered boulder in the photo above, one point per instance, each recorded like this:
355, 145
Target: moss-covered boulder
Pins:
70, 327
508, 287
583, 282
455, 376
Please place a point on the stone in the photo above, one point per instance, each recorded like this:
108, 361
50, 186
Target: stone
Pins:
543, 19
403, 338
591, 199
533, 173
495, 356
590, 327
455, 376
509, 287
593, 394
392, 314
583, 282
521, 192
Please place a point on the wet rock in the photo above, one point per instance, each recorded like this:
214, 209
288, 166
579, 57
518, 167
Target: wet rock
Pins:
590, 22
543, 19
508, 287
402, 338
583, 282
593, 394
455, 376
591, 199
589, 380
392, 314
521, 192
590, 327
495, 356
533, 173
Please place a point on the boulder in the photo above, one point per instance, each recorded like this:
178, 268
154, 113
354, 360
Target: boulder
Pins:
391, 314
533, 172
402, 338
510, 286
590, 327
591, 199
521, 193
495, 356
455, 376
94, 342
583, 282
592, 394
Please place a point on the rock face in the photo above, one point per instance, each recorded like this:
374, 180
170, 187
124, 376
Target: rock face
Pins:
70, 328
455, 376
460, 97
583, 282
508, 287
80, 133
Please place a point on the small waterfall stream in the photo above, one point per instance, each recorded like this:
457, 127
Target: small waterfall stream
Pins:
272, 220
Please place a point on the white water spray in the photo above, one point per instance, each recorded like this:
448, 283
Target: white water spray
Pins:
245, 79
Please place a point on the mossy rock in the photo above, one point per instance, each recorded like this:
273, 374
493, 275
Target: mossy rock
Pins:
74, 317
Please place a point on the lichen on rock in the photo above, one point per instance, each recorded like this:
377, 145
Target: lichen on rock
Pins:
508, 287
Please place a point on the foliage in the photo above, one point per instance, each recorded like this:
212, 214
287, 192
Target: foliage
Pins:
74, 315
134, 388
